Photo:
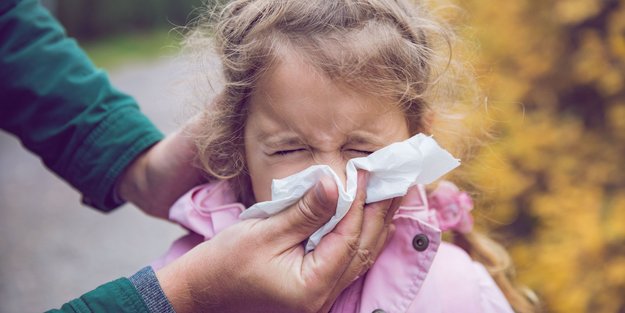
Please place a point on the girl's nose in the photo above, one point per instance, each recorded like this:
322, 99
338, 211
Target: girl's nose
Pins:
336, 162
339, 169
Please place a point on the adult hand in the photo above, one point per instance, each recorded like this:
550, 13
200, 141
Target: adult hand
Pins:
163, 173
259, 265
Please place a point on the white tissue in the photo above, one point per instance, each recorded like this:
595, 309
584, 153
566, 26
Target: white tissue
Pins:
393, 169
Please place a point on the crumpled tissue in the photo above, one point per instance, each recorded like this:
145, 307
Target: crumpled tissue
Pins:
392, 170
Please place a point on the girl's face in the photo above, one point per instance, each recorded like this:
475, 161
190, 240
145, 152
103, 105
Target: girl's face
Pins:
298, 117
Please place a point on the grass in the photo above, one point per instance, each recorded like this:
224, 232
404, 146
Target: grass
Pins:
115, 51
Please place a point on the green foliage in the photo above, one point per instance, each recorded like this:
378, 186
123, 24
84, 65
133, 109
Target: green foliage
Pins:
87, 20
116, 50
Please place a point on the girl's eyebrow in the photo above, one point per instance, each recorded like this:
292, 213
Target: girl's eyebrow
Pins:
289, 140
365, 138
282, 140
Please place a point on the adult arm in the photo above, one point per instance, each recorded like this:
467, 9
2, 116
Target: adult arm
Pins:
260, 265
64, 109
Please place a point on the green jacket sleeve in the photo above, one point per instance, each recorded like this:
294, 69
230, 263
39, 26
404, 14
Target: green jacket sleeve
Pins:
64, 109
116, 296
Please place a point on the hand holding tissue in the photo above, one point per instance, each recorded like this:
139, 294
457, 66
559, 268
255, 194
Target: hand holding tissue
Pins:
392, 170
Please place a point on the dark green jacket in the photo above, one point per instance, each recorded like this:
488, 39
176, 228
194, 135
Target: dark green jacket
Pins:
117, 296
64, 110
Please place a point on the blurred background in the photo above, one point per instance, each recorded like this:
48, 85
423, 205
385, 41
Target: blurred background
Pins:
550, 184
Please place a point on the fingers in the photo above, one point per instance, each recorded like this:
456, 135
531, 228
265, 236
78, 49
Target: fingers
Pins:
336, 250
351, 224
373, 228
295, 224
346, 252
376, 231
388, 228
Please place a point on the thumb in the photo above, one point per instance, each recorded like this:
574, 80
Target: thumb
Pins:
313, 210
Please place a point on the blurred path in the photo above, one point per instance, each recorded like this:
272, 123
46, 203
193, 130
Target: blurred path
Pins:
51, 247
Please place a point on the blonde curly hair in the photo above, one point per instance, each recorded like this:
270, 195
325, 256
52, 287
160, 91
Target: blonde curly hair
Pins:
391, 48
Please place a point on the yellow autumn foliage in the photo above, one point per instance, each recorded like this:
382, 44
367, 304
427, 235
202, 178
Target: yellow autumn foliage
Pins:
551, 184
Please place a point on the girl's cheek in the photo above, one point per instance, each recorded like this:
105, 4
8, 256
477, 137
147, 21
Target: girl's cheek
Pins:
288, 168
263, 175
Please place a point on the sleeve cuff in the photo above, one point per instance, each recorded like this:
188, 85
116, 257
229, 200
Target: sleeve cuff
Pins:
149, 289
107, 151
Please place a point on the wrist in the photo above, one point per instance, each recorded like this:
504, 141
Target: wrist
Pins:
148, 287
127, 186
175, 286
133, 186
160, 175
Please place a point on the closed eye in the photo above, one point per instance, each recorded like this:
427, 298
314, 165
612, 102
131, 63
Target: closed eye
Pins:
287, 152
363, 152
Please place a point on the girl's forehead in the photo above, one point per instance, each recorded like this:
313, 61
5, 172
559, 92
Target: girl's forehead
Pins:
297, 98
293, 85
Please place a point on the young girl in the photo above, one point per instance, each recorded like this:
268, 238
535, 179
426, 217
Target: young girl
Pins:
321, 82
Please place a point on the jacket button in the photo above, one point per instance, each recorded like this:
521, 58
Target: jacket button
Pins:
420, 242
378, 311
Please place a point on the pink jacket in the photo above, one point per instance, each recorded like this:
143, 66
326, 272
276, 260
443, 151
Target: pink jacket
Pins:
416, 272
